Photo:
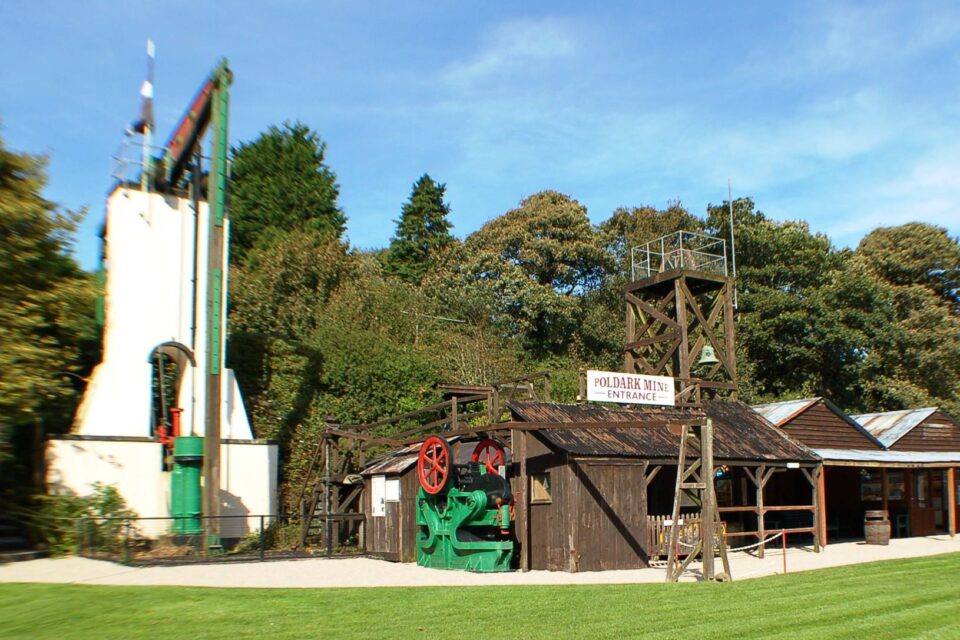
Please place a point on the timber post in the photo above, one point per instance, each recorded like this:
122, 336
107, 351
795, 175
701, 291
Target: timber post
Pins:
519, 441
708, 510
952, 501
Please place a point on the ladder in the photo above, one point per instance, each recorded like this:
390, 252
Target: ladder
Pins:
695, 479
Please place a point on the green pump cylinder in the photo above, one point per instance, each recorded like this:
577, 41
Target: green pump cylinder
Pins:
185, 485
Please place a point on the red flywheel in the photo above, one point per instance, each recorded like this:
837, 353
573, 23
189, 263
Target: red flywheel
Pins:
434, 465
489, 453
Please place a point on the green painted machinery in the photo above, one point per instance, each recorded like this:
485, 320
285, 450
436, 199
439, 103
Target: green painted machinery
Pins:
185, 485
464, 512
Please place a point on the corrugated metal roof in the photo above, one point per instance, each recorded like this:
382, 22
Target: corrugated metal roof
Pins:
893, 457
739, 432
398, 462
780, 412
890, 426
402, 459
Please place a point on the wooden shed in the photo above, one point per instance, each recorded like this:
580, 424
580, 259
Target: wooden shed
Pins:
390, 506
928, 429
899, 461
593, 491
825, 428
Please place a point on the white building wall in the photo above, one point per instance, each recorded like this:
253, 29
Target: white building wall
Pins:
149, 299
134, 466
248, 476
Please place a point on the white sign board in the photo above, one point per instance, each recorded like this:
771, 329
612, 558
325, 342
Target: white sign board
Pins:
378, 496
630, 388
393, 491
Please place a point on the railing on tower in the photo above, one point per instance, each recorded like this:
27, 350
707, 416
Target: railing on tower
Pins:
680, 250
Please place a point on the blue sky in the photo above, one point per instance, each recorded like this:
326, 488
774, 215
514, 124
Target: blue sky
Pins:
846, 115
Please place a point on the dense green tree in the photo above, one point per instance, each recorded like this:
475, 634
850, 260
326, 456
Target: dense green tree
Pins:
529, 269
422, 231
915, 359
48, 336
629, 228
915, 254
279, 182
804, 315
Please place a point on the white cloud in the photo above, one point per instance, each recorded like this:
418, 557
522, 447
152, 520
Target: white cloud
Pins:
512, 46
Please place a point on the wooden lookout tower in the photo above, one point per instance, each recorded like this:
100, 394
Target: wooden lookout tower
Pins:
680, 324
680, 315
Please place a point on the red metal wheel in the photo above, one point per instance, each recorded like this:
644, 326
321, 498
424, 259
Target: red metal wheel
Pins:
434, 464
490, 453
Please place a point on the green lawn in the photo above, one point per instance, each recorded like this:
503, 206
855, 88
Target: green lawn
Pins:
894, 599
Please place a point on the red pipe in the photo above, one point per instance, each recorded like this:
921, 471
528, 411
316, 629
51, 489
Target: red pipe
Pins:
175, 421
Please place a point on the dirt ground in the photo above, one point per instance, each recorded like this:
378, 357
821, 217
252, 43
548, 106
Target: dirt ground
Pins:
365, 572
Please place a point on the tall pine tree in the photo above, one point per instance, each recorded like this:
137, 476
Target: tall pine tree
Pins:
280, 183
422, 231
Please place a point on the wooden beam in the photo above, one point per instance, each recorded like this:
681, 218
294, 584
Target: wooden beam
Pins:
518, 442
684, 346
645, 342
821, 503
952, 501
729, 330
761, 525
649, 309
884, 491
709, 516
648, 478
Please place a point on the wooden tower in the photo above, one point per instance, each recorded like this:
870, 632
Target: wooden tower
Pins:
679, 308
680, 324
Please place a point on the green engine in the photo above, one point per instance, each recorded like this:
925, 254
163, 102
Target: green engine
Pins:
464, 512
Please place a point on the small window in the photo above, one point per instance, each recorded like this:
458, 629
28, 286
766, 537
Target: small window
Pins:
540, 488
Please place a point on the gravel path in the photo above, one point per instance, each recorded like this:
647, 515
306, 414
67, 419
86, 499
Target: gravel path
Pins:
365, 572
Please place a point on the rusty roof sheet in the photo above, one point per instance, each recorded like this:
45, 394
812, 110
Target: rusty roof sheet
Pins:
403, 458
740, 433
890, 426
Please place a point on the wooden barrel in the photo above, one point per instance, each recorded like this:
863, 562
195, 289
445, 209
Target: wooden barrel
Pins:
876, 527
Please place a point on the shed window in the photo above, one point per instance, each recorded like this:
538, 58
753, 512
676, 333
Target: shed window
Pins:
540, 487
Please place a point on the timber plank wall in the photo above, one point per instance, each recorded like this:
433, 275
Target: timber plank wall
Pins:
596, 516
938, 432
820, 427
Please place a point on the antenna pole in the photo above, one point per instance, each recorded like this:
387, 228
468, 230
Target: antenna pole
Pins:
733, 245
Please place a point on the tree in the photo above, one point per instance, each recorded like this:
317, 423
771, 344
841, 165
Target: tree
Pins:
422, 231
805, 315
280, 182
627, 229
916, 359
915, 254
528, 271
48, 335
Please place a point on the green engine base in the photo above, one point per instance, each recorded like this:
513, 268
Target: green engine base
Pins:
458, 531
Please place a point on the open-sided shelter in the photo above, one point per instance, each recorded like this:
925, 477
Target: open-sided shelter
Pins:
921, 490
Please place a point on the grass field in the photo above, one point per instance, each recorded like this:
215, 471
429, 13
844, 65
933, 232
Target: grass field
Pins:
918, 598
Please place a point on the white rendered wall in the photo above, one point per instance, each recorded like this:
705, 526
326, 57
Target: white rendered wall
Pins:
248, 475
135, 467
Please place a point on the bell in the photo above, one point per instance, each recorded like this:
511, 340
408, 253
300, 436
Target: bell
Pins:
708, 356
